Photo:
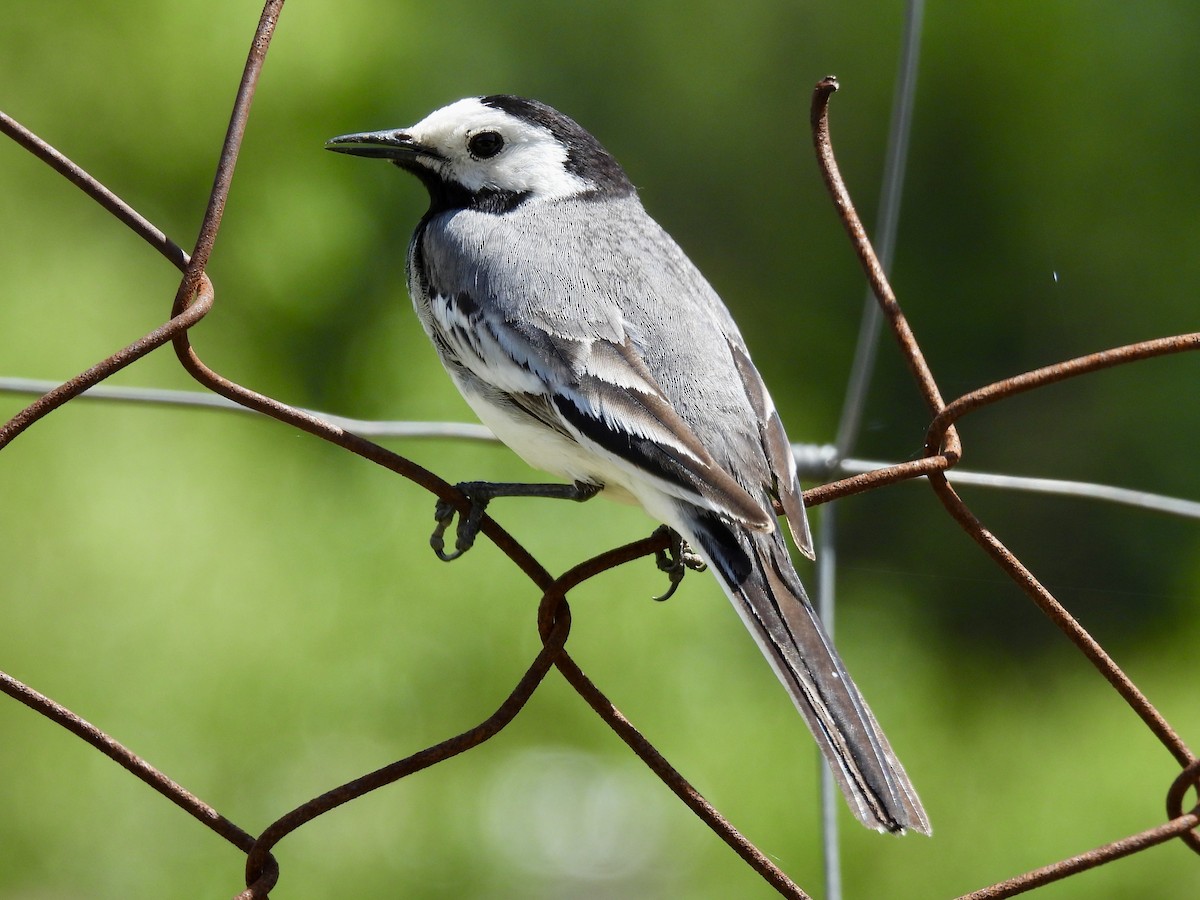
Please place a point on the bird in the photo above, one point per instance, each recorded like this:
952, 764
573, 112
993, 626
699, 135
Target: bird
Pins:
585, 338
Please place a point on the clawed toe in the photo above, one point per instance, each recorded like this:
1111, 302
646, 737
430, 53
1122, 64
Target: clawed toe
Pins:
675, 560
480, 493
468, 525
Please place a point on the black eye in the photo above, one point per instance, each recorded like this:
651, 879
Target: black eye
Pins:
485, 145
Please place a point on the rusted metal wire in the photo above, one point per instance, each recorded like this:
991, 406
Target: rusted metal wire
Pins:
1179, 827
909, 348
942, 433
128, 760
943, 450
1187, 780
648, 753
259, 860
195, 298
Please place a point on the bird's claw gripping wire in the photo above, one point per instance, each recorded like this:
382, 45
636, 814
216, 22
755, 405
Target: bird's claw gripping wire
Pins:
676, 559
480, 494
468, 525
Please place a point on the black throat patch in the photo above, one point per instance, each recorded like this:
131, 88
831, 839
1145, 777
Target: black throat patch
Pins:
448, 196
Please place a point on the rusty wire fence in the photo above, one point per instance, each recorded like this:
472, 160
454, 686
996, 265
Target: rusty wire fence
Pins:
195, 298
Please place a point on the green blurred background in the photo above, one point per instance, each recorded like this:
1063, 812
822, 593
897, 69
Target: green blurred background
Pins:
258, 613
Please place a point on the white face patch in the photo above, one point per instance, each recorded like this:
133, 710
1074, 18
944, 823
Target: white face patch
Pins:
532, 159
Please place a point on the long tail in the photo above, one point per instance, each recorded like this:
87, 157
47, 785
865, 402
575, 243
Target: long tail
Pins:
757, 573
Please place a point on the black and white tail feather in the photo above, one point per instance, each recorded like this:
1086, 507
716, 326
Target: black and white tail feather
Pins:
757, 575
584, 337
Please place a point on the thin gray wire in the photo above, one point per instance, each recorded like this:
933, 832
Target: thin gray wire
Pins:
813, 460
891, 193
1175, 506
165, 397
895, 160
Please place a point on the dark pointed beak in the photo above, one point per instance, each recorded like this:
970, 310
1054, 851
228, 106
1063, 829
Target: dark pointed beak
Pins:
398, 146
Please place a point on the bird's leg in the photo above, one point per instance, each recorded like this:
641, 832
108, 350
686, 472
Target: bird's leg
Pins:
676, 559
481, 493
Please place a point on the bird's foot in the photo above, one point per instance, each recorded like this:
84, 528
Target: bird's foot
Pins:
676, 559
480, 494
468, 525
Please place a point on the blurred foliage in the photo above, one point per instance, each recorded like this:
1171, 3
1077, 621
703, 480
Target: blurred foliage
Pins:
259, 615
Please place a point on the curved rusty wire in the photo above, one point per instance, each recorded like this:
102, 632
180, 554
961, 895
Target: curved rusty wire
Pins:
259, 856
943, 450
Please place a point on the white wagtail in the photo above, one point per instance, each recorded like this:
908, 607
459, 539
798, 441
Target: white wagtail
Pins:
581, 334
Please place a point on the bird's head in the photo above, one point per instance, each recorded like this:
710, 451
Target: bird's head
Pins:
494, 153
